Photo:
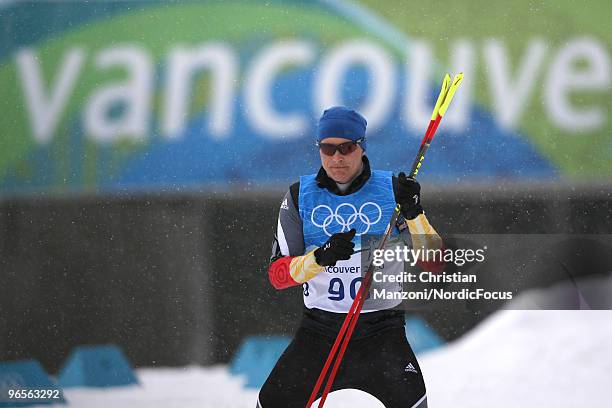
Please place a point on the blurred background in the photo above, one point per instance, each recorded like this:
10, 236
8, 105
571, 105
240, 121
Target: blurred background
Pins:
146, 147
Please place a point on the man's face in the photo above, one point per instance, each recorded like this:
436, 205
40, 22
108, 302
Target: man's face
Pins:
341, 168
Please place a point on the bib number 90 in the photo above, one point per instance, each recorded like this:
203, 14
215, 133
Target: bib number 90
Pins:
336, 288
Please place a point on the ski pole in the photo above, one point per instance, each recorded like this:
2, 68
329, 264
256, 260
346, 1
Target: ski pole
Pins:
444, 99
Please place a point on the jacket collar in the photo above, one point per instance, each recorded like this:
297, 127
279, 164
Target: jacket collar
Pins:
324, 181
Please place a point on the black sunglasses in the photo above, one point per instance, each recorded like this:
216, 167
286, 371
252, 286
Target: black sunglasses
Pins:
345, 148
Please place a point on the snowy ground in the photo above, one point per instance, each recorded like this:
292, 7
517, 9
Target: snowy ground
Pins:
513, 359
526, 359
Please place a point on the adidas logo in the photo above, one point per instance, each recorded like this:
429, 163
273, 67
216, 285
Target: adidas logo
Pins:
410, 368
284, 205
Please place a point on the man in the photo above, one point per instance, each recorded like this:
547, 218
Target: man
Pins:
320, 218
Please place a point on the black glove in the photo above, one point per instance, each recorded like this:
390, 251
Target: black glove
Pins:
409, 196
338, 247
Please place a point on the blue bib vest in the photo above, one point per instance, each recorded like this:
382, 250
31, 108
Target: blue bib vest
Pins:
323, 214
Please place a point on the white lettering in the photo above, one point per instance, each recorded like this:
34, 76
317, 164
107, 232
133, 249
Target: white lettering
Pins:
380, 67
258, 84
565, 77
45, 111
418, 101
183, 64
133, 95
509, 98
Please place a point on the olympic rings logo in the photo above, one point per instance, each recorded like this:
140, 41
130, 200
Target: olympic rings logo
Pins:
340, 217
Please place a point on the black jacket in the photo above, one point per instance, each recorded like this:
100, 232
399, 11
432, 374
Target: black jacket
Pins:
321, 321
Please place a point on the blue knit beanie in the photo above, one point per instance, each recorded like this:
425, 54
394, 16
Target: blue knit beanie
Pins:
343, 122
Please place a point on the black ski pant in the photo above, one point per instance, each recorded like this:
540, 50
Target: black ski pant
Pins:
382, 364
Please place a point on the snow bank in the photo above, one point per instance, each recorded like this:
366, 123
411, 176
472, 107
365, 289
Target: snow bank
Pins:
526, 359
